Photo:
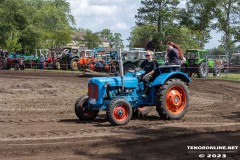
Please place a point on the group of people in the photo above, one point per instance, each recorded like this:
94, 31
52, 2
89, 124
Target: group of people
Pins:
173, 56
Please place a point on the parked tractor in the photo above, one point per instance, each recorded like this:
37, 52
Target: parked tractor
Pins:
85, 58
69, 58
132, 59
159, 57
8, 62
120, 95
103, 60
199, 62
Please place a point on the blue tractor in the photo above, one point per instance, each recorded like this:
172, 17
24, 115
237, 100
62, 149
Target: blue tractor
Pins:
120, 95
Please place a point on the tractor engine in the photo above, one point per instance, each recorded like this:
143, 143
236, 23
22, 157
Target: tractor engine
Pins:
106, 88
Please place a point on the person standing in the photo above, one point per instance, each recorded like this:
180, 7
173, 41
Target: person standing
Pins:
174, 54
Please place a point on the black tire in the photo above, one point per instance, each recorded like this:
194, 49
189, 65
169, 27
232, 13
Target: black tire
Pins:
16, 66
34, 64
141, 112
22, 67
202, 71
84, 113
119, 112
166, 104
129, 66
57, 64
2, 63
74, 64
8, 67
217, 72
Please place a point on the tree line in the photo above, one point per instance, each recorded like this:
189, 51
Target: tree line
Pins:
30, 24
159, 21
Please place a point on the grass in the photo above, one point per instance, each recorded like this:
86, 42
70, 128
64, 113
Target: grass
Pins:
225, 76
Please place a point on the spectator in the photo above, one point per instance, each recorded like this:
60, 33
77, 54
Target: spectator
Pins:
41, 61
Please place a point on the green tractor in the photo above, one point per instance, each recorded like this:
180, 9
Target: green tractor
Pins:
159, 57
69, 58
198, 61
132, 59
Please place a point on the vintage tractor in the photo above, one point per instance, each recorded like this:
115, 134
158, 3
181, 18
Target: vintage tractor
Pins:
132, 59
199, 62
12, 61
68, 59
120, 95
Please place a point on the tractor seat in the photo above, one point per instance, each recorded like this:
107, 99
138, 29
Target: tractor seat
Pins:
168, 68
164, 69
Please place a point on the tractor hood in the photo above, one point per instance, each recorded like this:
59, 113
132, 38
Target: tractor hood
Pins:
129, 82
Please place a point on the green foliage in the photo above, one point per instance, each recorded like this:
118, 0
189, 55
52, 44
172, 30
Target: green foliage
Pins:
141, 35
91, 39
39, 23
197, 16
115, 39
227, 14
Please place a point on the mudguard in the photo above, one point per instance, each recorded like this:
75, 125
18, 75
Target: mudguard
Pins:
163, 77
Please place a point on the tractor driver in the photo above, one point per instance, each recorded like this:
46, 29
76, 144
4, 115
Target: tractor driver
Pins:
148, 65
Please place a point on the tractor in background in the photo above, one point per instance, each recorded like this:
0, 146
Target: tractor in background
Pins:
11, 61
199, 62
69, 58
120, 95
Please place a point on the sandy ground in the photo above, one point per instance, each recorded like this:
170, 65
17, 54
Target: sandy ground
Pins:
37, 121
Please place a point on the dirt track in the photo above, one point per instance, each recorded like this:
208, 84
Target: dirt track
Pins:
37, 121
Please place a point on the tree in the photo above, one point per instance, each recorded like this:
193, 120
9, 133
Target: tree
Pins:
198, 16
37, 22
117, 42
91, 39
107, 34
141, 35
161, 13
228, 21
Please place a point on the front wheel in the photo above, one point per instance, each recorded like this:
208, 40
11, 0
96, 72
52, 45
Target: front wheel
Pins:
83, 110
119, 112
172, 100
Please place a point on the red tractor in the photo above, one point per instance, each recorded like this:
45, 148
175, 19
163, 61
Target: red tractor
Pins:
8, 62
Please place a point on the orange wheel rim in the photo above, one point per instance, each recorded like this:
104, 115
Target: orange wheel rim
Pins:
120, 112
176, 99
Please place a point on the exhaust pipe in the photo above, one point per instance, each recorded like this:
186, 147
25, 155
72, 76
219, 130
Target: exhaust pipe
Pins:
121, 68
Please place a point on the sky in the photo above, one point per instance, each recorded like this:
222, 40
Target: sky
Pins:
115, 15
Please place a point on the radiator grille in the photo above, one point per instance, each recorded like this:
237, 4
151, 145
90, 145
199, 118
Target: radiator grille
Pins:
93, 91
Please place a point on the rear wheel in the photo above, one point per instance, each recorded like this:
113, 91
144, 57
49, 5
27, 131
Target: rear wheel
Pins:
83, 110
2, 63
16, 66
172, 100
74, 64
216, 72
202, 70
119, 112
